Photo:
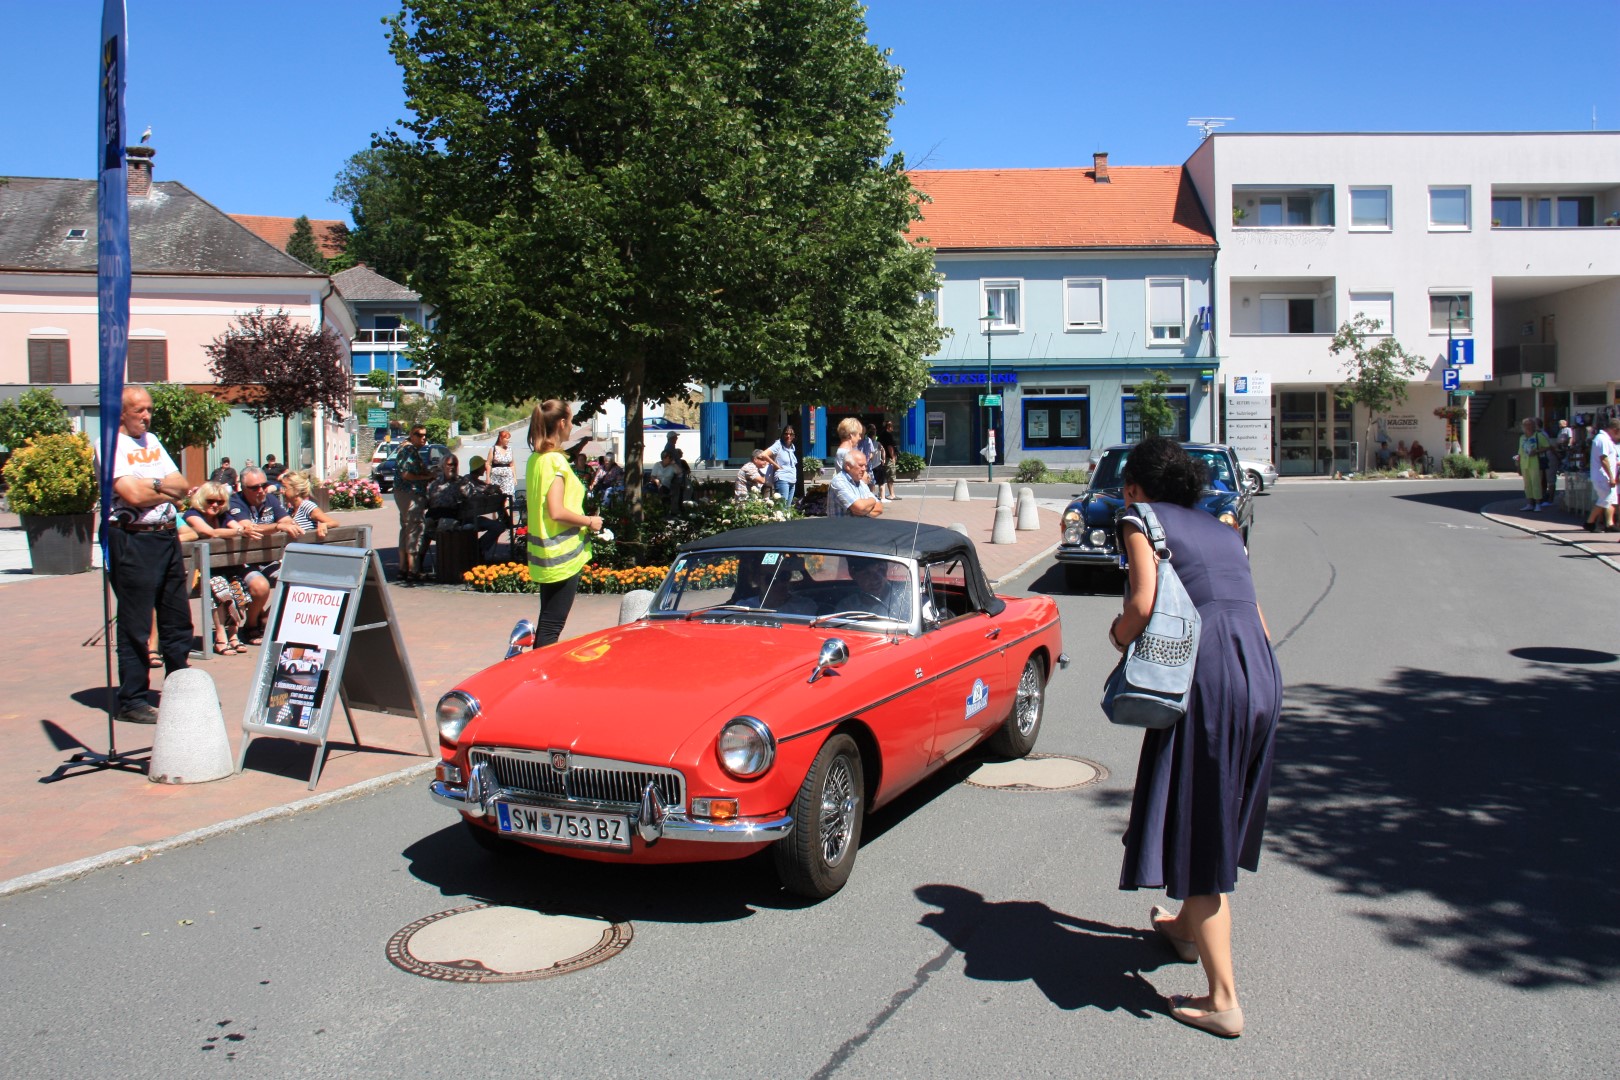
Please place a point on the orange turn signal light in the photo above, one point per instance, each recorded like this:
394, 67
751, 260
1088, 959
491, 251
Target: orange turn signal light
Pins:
715, 809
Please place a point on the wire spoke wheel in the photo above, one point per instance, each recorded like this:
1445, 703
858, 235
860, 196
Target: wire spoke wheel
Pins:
1031, 692
837, 812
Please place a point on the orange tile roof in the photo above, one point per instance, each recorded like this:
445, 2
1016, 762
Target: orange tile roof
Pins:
1144, 206
329, 235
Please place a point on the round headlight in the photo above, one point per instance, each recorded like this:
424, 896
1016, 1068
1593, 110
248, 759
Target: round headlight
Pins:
1097, 537
1071, 518
1229, 518
456, 710
746, 747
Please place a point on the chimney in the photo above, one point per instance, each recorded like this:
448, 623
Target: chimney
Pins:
1099, 168
139, 160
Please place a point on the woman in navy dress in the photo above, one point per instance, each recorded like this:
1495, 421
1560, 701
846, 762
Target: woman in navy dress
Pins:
1199, 808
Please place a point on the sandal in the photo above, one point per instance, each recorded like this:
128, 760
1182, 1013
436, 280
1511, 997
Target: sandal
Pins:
236, 645
154, 660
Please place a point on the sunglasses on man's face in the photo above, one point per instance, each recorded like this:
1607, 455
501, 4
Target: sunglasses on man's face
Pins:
254, 487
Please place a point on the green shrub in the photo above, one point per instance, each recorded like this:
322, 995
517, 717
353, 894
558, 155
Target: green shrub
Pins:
1071, 476
1463, 467
1031, 471
35, 412
809, 468
907, 462
438, 430
51, 475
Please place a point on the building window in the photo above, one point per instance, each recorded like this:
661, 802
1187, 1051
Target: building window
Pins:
1002, 301
47, 361
148, 361
1083, 304
1448, 208
1288, 314
930, 300
1543, 211
1379, 306
1451, 313
1167, 311
1282, 208
1507, 212
1175, 397
1057, 418
1369, 209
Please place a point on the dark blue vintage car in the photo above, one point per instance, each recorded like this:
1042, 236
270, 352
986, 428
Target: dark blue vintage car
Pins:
1089, 547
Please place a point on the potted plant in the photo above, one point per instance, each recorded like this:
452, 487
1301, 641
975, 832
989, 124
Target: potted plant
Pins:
907, 465
52, 481
1238, 214
809, 468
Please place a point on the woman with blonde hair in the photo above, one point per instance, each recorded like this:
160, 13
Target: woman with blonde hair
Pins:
208, 518
849, 432
559, 546
295, 497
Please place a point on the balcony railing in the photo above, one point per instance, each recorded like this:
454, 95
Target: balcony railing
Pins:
1524, 359
403, 381
394, 336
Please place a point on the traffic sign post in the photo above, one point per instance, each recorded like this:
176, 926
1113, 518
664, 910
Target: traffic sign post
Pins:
1451, 378
989, 400
1460, 351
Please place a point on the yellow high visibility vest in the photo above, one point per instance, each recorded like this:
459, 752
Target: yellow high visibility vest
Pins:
556, 552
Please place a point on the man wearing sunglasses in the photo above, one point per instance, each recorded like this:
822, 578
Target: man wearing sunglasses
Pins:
258, 514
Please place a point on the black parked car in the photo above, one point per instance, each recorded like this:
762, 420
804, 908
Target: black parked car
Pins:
1089, 548
383, 471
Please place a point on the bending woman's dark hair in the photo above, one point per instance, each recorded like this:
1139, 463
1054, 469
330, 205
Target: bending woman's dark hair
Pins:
1164, 471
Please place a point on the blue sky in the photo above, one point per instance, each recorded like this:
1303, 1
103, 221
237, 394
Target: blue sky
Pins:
255, 104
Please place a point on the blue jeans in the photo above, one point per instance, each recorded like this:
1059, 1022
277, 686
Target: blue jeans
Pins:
784, 488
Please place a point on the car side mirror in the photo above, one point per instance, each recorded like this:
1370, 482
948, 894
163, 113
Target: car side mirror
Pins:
1249, 486
522, 638
834, 655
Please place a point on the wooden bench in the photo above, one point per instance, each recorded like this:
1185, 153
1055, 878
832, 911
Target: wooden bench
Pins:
203, 554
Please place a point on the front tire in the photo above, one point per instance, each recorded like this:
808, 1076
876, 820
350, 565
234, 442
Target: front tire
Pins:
1256, 481
1016, 736
816, 858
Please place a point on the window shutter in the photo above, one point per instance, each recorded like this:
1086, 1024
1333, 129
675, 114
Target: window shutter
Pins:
1164, 303
148, 361
1085, 303
1380, 306
47, 361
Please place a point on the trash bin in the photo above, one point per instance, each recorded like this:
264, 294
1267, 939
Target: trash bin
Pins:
457, 553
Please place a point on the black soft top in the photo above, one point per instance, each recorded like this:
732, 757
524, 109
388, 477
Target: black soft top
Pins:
865, 536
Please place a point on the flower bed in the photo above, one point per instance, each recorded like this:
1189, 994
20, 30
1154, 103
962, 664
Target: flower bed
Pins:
353, 494
513, 577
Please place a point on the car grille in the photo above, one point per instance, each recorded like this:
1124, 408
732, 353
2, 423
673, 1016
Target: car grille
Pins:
587, 779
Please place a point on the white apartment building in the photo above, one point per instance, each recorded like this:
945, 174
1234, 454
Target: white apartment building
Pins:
1508, 241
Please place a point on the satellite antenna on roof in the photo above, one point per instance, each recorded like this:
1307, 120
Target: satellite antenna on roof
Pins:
1207, 124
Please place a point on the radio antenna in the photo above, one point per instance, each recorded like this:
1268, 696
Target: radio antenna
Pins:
1207, 124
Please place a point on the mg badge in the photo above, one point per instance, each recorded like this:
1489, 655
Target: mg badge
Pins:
559, 761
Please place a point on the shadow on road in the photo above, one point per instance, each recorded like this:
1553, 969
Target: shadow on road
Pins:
1467, 500
1494, 798
1077, 963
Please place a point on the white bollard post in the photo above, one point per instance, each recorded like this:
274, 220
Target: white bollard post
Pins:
190, 745
1004, 495
1029, 515
960, 494
957, 526
634, 605
1003, 532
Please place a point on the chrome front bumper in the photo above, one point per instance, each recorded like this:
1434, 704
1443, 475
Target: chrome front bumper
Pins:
652, 820
1075, 555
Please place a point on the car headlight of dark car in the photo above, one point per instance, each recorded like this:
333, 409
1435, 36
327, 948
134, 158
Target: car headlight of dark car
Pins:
746, 748
1072, 522
456, 710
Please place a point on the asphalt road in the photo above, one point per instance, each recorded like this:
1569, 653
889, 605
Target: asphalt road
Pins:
1440, 894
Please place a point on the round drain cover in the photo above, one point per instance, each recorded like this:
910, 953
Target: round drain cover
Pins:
1037, 772
481, 943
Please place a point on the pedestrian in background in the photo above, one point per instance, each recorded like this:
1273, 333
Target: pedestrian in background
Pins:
891, 458
225, 474
559, 541
1198, 811
144, 563
499, 467
295, 496
273, 470
783, 465
750, 479
258, 513
411, 477
847, 494
208, 517
1533, 443
849, 434
1605, 474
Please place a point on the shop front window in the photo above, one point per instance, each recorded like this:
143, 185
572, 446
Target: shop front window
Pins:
1057, 420
1175, 397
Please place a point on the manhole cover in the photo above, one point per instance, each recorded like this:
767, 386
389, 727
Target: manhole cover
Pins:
482, 943
1037, 772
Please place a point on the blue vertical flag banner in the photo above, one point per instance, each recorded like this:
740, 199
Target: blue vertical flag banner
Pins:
112, 244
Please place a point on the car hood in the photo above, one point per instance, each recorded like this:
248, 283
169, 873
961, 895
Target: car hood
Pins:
641, 690
1099, 507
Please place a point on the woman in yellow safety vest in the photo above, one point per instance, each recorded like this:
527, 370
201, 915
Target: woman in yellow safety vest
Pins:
559, 546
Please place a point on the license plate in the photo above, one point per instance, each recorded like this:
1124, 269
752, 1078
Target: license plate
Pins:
599, 830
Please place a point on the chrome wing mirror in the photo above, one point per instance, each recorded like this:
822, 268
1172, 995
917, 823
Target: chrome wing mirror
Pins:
834, 655
522, 638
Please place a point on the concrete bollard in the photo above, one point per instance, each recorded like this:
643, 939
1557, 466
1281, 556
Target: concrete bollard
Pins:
1003, 532
190, 745
1029, 515
634, 605
961, 492
957, 526
1004, 495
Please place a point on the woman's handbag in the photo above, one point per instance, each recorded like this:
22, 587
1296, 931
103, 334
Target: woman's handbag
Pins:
1150, 685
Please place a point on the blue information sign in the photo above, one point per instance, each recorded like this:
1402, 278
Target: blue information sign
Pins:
1451, 378
1460, 351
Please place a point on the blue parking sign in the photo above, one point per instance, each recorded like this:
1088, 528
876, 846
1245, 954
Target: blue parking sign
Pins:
1460, 351
1451, 378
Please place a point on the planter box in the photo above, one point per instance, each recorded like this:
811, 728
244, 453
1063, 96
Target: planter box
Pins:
60, 544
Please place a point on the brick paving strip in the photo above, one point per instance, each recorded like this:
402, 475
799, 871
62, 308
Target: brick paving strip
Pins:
53, 702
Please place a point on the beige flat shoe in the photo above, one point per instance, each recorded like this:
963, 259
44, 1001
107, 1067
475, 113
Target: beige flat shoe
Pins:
1227, 1024
1185, 949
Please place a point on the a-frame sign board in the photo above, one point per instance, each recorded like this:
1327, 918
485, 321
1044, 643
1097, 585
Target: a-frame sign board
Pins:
332, 638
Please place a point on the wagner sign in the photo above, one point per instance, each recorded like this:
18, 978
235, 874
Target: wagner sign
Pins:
1248, 416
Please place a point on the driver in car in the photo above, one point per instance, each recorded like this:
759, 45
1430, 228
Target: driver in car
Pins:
874, 591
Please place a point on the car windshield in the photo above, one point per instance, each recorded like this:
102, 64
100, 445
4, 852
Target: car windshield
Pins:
745, 585
1217, 469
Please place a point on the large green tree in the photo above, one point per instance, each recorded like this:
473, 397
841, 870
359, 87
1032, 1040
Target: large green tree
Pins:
623, 197
380, 186
183, 417
301, 245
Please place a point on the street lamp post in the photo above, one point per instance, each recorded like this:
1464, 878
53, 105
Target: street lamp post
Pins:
1456, 311
989, 320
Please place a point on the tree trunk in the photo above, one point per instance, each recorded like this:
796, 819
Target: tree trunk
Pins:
634, 435
286, 450
773, 421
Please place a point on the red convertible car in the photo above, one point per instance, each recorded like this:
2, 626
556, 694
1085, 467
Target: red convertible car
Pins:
785, 680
